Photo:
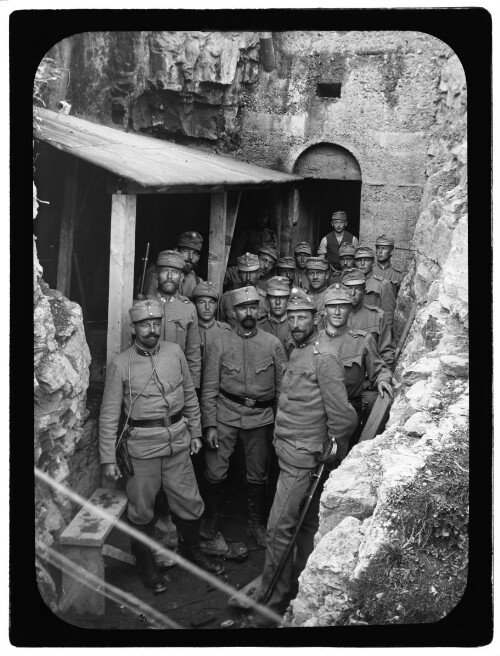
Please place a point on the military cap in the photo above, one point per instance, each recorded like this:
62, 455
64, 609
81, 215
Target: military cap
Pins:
337, 294
364, 251
148, 309
278, 286
171, 259
384, 240
339, 216
317, 263
190, 240
352, 277
244, 295
300, 300
248, 262
303, 247
268, 249
285, 263
346, 249
205, 288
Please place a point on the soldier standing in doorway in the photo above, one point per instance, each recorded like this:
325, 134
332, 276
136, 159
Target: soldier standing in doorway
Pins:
268, 256
248, 274
317, 269
330, 244
301, 253
205, 299
384, 248
278, 293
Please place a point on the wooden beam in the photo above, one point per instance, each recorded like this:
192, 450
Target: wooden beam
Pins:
233, 204
65, 258
121, 272
217, 239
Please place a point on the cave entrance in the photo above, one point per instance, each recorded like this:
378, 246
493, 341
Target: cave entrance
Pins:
332, 182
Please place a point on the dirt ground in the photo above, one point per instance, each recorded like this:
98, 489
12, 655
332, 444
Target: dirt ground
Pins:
188, 601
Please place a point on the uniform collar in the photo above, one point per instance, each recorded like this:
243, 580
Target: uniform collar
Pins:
144, 352
245, 335
387, 266
312, 338
283, 319
166, 299
317, 291
357, 309
335, 332
206, 325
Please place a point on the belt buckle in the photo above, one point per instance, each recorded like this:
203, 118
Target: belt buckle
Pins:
167, 421
250, 403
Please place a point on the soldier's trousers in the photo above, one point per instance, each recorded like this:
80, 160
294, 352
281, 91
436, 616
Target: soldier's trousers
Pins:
256, 443
176, 475
293, 483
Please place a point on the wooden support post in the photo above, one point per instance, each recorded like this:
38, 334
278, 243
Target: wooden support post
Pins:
233, 204
121, 272
66, 233
217, 239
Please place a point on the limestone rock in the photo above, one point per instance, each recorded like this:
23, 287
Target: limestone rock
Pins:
455, 365
418, 423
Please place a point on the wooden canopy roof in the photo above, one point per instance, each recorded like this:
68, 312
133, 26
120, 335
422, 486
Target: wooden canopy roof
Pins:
151, 165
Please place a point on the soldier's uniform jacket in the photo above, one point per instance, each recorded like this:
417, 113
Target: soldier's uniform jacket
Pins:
277, 328
390, 273
180, 325
209, 333
226, 311
319, 298
313, 405
262, 282
244, 366
358, 353
372, 319
301, 280
232, 278
185, 288
379, 292
169, 391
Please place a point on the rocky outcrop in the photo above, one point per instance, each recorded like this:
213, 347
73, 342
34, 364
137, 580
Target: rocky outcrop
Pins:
184, 84
392, 543
65, 444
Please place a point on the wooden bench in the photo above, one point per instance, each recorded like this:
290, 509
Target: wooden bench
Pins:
83, 542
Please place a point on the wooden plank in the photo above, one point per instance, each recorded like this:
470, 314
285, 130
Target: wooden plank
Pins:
121, 272
87, 528
233, 204
251, 589
65, 258
82, 597
217, 238
117, 554
376, 417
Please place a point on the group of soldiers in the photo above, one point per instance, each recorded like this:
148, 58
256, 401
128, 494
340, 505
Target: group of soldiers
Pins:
289, 360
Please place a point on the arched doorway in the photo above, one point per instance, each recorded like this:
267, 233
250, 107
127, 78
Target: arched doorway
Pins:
332, 182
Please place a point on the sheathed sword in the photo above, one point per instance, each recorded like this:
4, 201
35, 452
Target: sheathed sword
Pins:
315, 479
145, 260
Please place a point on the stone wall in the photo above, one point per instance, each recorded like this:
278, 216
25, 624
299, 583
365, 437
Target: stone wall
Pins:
209, 89
65, 439
392, 544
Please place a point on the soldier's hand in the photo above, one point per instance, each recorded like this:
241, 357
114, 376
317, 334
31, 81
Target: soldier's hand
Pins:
195, 445
112, 471
384, 386
140, 297
211, 437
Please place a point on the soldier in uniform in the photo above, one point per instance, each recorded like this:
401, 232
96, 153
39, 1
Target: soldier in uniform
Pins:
248, 273
189, 246
357, 352
317, 269
313, 411
278, 293
268, 256
285, 266
253, 238
384, 248
241, 384
368, 317
346, 258
151, 382
378, 291
301, 253
205, 300
181, 322
330, 244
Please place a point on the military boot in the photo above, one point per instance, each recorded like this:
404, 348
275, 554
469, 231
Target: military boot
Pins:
213, 494
145, 562
189, 545
256, 512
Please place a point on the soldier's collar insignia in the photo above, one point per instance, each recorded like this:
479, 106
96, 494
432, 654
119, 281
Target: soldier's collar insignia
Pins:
147, 354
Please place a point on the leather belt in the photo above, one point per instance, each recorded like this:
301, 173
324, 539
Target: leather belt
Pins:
164, 422
248, 403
